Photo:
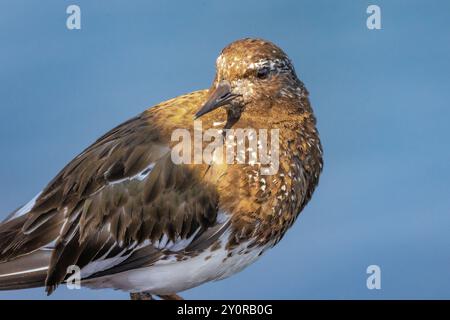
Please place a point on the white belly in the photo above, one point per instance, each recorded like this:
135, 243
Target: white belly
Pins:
171, 276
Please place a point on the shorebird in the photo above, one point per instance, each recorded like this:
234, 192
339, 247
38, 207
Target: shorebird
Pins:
132, 219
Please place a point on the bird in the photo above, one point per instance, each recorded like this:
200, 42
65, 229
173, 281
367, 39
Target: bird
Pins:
131, 218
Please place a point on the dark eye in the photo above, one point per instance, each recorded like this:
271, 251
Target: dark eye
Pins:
262, 73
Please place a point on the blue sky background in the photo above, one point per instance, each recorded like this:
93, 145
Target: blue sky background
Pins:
381, 99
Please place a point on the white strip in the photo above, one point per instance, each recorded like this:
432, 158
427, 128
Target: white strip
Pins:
139, 176
181, 244
22, 272
105, 264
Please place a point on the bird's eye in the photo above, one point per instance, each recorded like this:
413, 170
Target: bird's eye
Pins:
262, 73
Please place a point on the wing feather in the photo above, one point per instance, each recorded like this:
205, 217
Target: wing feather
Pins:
122, 200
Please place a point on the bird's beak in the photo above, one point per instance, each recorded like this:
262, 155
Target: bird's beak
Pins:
218, 97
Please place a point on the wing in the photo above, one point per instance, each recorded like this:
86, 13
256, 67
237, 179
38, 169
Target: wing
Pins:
120, 202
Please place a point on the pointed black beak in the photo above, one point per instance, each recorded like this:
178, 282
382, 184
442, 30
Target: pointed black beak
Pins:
220, 96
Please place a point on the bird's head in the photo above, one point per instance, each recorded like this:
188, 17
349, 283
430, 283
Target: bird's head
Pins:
251, 72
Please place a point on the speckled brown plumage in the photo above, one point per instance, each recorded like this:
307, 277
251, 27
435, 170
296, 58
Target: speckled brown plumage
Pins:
124, 190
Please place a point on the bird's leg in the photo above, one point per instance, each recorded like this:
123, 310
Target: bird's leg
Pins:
172, 296
144, 295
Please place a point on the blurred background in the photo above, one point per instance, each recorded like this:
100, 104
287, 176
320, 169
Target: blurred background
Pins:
381, 98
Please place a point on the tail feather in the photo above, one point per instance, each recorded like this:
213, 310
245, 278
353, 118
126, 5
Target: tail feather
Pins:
14, 242
28, 271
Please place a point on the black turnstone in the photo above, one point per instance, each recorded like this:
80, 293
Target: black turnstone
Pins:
131, 218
